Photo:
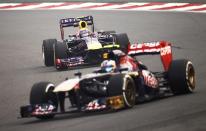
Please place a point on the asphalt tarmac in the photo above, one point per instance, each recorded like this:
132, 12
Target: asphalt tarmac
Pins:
21, 35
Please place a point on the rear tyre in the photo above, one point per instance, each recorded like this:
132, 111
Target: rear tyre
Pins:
48, 51
181, 76
38, 95
60, 52
123, 85
122, 40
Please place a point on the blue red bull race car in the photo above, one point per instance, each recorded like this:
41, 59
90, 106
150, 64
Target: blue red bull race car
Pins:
73, 50
122, 88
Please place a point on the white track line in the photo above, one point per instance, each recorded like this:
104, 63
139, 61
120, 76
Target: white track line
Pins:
76, 6
115, 6
130, 6
153, 7
30, 7
9, 4
189, 8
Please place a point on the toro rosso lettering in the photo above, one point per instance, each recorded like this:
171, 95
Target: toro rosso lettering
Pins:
140, 46
166, 50
162, 47
144, 48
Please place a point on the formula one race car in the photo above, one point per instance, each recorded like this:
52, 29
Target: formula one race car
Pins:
80, 49
121, 88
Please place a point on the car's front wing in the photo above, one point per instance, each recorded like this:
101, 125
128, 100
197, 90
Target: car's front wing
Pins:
114, 102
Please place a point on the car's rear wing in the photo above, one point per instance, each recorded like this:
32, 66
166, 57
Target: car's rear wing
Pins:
162, 47
74, 22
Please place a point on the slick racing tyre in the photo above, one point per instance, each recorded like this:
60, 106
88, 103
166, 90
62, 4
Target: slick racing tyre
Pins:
123, 85
60, 52
122, 40
181, 76
41, 93
48, 51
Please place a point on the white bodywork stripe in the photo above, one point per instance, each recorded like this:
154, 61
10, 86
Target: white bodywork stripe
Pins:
66, 85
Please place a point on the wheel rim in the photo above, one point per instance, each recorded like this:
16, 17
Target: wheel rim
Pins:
191, 78
130, 94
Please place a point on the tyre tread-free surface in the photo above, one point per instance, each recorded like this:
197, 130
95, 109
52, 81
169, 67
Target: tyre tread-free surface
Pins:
60, 52
48, 51
179, 75
122, 40
38, 95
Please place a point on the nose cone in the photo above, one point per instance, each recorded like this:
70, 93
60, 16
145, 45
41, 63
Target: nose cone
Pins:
66, 85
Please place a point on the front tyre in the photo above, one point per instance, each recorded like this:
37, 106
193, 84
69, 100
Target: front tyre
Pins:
41, 93
123, 85
181, 76
60, 52
48, 51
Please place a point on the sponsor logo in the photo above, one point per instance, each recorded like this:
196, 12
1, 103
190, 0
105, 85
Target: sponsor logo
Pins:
166, 50
43, 109
95, 105
149, 79
144, 45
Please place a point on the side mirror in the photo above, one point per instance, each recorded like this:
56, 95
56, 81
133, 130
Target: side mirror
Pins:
79, 74
76, 24
71, 35
98, 71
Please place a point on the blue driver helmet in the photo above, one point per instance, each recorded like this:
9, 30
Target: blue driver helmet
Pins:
108, 65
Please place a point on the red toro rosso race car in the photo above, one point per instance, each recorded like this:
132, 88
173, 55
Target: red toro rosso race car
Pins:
82, 48
121, 82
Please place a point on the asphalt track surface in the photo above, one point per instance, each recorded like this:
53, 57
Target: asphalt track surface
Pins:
21, 35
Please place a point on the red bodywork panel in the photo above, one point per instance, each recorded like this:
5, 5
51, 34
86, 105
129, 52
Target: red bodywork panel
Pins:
162, 47
129, 62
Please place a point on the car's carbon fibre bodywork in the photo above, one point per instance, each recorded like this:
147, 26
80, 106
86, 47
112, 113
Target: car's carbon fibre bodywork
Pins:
73, 50
114, 90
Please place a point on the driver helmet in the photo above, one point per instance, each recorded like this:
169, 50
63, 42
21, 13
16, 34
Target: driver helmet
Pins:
82, 25
108, 65
83, 29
